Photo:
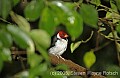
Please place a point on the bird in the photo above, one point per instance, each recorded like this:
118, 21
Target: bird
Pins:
60, 43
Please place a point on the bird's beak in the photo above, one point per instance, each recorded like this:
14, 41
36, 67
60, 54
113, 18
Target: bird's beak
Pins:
66, 36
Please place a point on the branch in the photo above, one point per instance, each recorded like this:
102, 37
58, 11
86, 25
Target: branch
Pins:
73, 66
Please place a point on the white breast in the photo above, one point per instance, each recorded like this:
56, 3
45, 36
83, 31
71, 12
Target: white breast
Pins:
59, 48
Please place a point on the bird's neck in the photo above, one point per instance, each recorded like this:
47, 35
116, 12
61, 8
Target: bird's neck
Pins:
62, 42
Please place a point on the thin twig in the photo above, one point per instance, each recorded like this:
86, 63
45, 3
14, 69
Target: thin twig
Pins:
5, 21
105, 7
101, 47
102, 10
21, 61
82, 41
109, 9
107, 37
18, 52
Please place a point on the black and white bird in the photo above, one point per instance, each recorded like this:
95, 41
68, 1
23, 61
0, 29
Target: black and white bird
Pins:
60, 44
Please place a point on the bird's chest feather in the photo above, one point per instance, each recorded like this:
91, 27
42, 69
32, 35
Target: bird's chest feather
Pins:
61, 44
59, 48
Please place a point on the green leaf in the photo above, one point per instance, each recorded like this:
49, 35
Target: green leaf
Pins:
42, 40
114, 16
61, 11
3, 26
43, 52
34, 60
5, 54
90, 15
19, 36
110, 35
5, 39
118, 47
97, 2
33, 9
72, 20
102, 29
118, 4
41, 37
15, 2
47, 22
21, 21
109, 15
113, 6
6, 6
57, 11
64, 11
73, 46
61, 67
89, 58
1, 44
74, 23
38, 70
71, 6
23, 74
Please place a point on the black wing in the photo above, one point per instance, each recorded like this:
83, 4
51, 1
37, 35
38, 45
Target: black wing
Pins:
53, 40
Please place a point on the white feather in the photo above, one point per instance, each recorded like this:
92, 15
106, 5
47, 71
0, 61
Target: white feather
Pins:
60, 46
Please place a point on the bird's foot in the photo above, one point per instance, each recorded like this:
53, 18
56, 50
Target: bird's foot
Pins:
58, 56
62, 58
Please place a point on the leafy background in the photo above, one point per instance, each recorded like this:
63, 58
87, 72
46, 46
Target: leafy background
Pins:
26, 26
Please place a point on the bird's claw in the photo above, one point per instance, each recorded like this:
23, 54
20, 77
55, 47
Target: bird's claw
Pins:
58, 56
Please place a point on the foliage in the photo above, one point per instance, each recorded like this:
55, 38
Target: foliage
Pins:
91, 57
16, 30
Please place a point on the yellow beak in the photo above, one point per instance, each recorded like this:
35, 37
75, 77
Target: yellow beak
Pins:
66, 36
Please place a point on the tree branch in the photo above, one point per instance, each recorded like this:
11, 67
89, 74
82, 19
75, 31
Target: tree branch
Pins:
73, 66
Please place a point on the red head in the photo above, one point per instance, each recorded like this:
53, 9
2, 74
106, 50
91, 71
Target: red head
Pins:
62, 34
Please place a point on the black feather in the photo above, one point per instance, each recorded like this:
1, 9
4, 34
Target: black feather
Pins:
53, 40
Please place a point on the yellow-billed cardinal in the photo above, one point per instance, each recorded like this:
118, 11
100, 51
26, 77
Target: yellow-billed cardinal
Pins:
60, 44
